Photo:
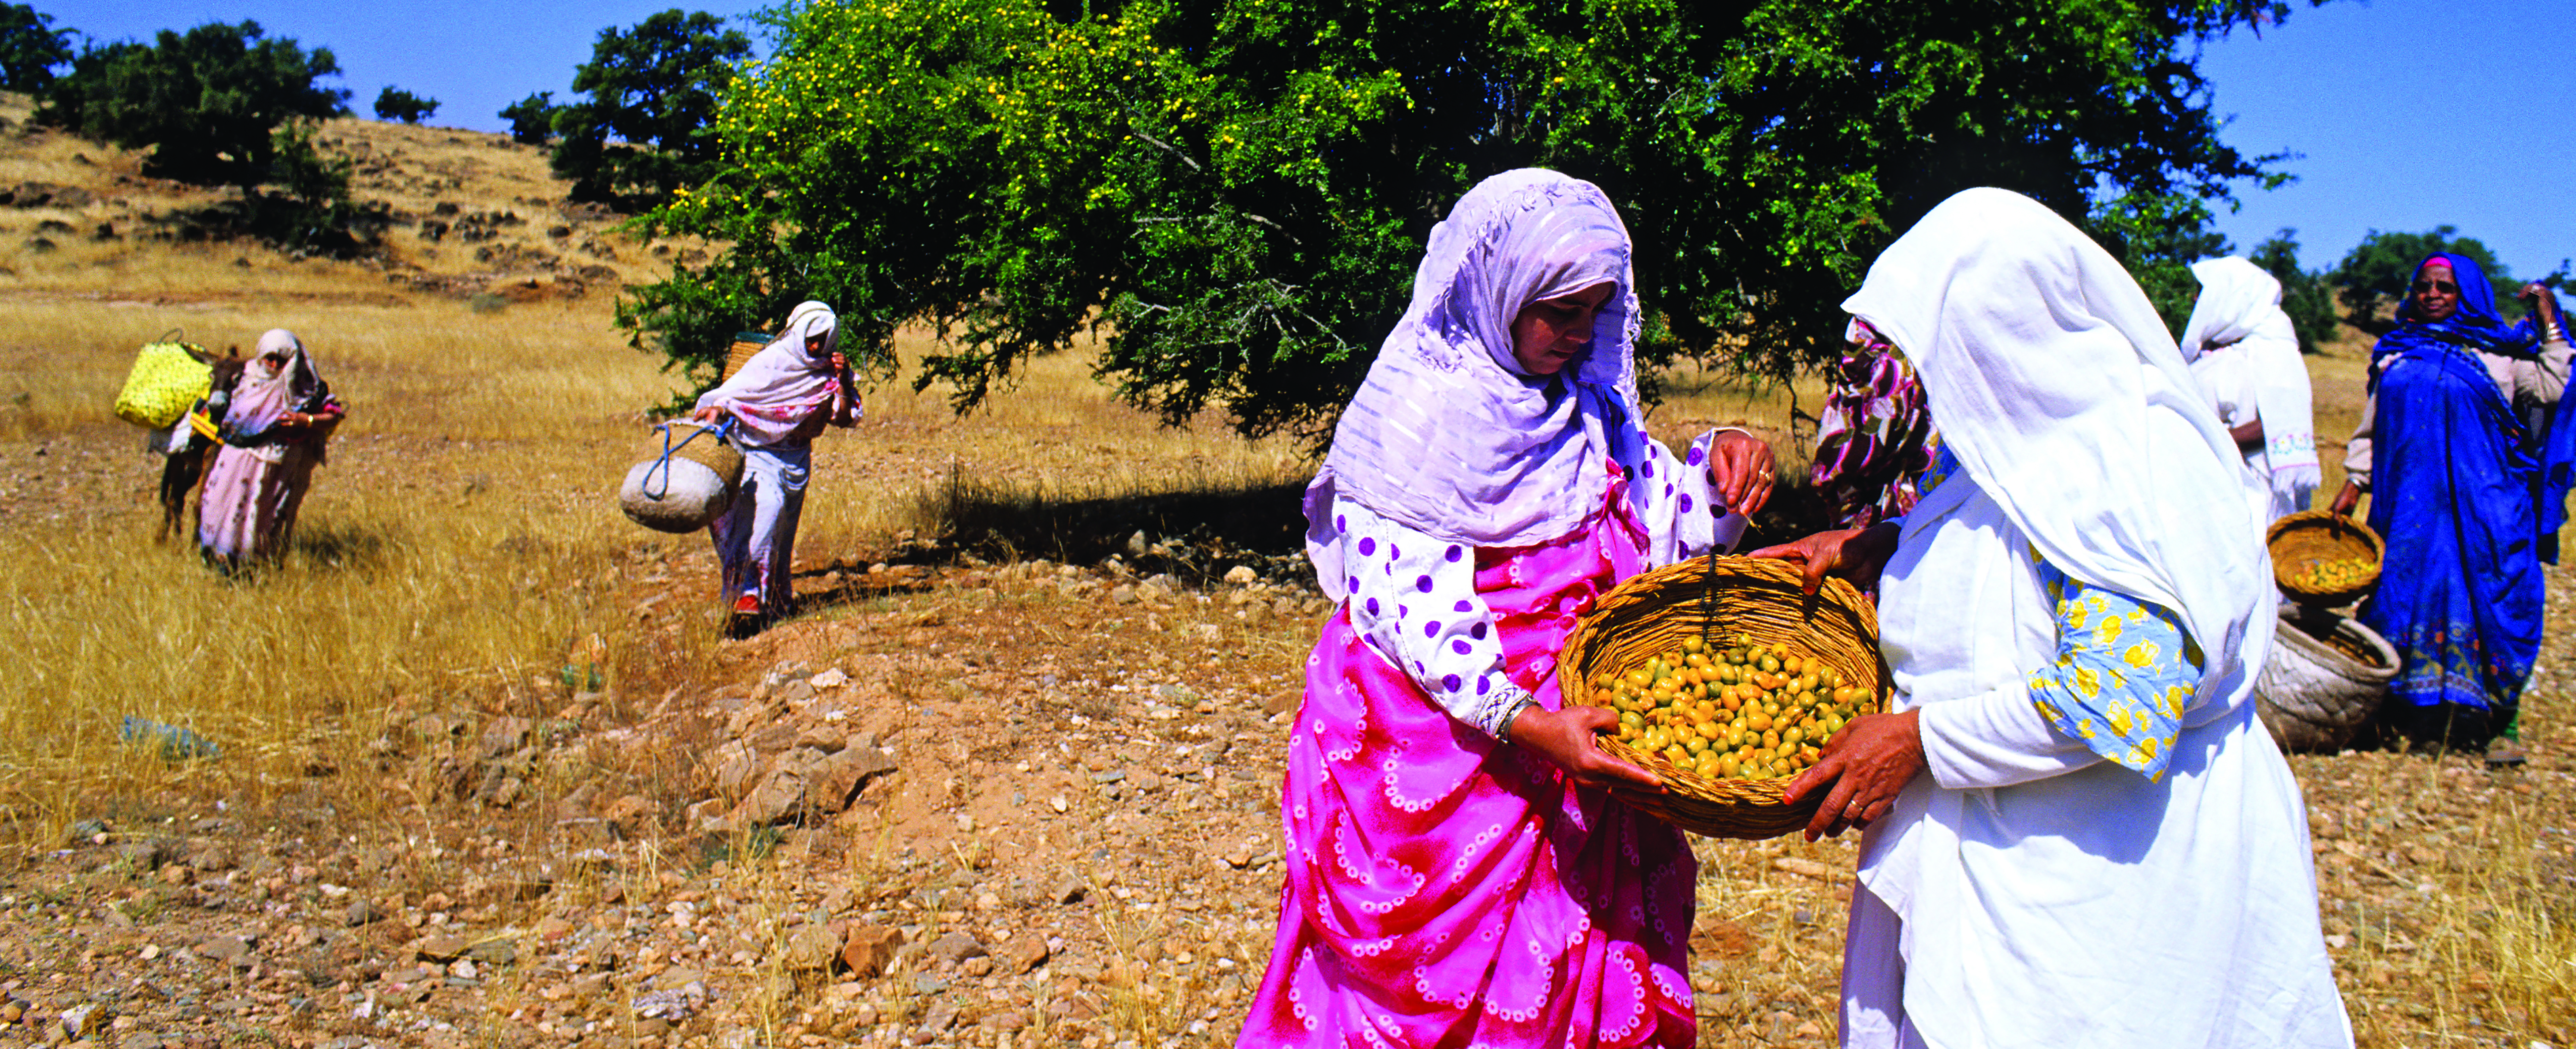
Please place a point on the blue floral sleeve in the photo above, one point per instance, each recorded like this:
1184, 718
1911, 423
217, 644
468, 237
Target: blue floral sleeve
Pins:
2125, 670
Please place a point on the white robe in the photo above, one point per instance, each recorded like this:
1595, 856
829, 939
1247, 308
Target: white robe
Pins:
2023, 892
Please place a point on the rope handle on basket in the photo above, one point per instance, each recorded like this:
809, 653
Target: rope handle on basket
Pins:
1708, 603
722, 430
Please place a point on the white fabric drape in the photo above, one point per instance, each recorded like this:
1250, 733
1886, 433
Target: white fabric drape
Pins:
2054, 382
2024, 892
2246, 356
783, 385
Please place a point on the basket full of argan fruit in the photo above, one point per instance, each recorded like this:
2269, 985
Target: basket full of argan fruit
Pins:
1728, 680
2323, 559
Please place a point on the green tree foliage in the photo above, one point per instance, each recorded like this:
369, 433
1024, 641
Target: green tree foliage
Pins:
207, 102
2373, 276
30, 48
2306, 295
532, 119
221, 104
644, 130
393, 103
1236, 192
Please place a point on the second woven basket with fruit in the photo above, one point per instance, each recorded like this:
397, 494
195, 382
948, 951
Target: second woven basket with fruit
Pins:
1728, 680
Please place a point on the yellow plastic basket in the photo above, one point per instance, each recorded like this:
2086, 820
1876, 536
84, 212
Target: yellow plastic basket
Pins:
167, 379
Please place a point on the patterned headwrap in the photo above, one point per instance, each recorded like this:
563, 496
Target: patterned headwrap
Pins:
1448, 436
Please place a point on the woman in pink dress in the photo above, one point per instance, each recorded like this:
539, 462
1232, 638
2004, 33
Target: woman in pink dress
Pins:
274, 431
1458, 872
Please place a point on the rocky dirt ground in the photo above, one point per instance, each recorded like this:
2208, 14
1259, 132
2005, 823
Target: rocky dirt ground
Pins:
987, 805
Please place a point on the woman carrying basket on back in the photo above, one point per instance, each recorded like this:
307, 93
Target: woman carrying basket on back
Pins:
1457, 872
275, 429
779, 402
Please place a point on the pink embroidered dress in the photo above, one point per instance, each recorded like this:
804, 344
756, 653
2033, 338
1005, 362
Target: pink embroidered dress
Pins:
1446, 887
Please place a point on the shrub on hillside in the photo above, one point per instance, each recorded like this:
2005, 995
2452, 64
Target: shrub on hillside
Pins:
646, 128
532, 119
30, 48
222, 104
394, 103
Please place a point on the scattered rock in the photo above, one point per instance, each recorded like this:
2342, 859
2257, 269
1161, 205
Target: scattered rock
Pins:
809, 948
83, 1021
229, 950
868, 948
1024, 952
956, 947
441, 949
504, 735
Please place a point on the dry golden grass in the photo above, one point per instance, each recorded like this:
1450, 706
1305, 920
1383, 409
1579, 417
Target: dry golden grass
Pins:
461, 547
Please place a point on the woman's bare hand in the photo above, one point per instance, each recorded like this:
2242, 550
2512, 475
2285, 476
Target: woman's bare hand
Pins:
710, 413
1863, 768
1740, 468
2346, 500
1567, 737
1856, 554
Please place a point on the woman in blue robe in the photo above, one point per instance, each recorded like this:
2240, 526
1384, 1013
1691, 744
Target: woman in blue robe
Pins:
2464, 500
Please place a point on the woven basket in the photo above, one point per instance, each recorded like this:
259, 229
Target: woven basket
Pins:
2312, 536
1751, 598
2325, 677
167, 378
745, 344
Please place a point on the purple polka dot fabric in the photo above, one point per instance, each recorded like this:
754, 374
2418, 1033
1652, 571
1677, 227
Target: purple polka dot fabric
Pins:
1422, 583
1465, 607
1478, 631
1372, 606
1451, 681
1484, 683
1431, 629
1462, 648
1686, 502
1393, 551
1456, 552
1367, 545
1698, 456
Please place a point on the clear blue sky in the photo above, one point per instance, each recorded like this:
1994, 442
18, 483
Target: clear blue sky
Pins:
2408, 113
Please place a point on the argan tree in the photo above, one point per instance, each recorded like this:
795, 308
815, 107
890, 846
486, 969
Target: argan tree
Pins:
1235, 193
645, 128
394, 103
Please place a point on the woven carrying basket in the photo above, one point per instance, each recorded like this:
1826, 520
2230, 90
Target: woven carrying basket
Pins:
2312, 536
1750, 598
167, 378
2325, 677
745, 344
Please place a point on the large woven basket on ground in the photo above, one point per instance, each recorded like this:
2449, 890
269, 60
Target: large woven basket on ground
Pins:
1726, 600
2313, 537
2326, 676
685, 488
745, 344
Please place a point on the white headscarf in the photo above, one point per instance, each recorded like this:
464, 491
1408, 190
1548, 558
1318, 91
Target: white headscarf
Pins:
1448, 435
782, 386
2242, 345
2055, 384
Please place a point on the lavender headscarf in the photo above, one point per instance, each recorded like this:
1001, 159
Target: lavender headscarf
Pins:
1448, 436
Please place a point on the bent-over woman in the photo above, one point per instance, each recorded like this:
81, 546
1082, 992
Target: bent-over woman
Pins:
2447, 447
1457, 872
779, 402
2077, 832
275, 429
